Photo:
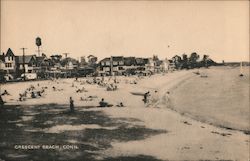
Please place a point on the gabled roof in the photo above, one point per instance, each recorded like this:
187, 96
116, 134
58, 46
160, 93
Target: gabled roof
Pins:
105, 59
40, 59
9, 53
27, 59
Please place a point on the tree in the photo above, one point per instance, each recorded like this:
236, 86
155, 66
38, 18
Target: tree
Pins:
177, 61
44, 55
205, 61
155, 58
193, 59
92, 59
56, 58
83, 61
184, 61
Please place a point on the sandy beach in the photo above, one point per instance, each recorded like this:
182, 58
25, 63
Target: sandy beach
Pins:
200, 118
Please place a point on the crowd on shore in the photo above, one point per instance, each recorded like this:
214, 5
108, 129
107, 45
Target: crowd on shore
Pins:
36, 91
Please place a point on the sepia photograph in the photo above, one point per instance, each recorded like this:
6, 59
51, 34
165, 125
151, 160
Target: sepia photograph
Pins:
127, 80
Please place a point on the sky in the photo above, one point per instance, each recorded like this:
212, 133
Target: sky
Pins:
219, 29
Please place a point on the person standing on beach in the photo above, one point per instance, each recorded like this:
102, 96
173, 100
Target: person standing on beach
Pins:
145, 97
154, 97
1, 101
71, 101
167, 99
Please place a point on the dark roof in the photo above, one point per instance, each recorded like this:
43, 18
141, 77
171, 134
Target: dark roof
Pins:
146, 60
2, 57
40, 59
74, 62
139, 61
67, 60
27, 59
159, 62
105, 59
117, 58
90, 56
9, 53
176, 56
129, 61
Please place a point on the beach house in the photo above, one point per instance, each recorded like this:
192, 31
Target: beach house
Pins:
2, 64
118, 65
29, 63
9, 64
114, 65
177, 61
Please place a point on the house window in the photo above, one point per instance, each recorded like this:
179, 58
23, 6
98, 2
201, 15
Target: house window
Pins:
121, 63
107, 63
106, 69
115, 63
8, 65
120, 68
102, 63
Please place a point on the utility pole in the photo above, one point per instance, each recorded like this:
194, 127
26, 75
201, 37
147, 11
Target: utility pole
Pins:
38, 51
66, 55
111, 66
24, 63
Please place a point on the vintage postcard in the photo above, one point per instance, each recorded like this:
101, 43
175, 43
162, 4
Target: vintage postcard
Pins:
124, 80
